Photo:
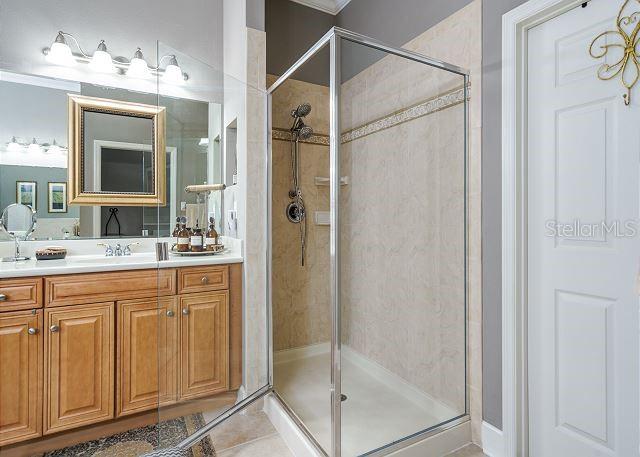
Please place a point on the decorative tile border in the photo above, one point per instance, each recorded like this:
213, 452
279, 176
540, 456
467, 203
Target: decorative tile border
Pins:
285, 135
433, 105
442, 102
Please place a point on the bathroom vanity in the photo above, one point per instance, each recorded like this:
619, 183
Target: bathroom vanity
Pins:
97, 347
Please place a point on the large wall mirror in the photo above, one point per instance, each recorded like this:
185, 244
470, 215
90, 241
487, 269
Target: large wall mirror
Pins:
103, 169
118, 154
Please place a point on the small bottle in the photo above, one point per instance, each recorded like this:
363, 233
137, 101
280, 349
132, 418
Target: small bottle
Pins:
197, 239
177, 228
183, 236
212, 236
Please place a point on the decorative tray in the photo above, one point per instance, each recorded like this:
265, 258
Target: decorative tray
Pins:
219, 250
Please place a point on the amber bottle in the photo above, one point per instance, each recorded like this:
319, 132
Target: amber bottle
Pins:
197, 239
211, 239
183, 237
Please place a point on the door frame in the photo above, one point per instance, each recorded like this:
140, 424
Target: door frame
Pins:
515, 29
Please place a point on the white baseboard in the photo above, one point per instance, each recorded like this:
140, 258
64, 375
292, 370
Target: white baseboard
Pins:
492, 441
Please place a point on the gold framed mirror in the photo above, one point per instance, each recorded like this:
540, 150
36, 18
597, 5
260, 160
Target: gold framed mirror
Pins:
113, 153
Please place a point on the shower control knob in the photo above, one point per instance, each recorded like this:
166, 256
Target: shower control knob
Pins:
170, 313
54, 328
33, 331
185, 311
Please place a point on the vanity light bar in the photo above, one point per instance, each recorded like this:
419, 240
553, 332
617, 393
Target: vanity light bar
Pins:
101, 61
33, 146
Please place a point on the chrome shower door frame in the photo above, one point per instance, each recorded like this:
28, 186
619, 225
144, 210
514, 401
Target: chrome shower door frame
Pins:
333, 39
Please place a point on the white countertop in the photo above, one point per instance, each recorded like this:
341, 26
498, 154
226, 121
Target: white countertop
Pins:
93, 263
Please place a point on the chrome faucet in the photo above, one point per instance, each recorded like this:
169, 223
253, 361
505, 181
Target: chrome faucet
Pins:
117, 250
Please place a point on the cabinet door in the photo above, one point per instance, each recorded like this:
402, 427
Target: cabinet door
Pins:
147, 354
204, 344
79, 366
20, 376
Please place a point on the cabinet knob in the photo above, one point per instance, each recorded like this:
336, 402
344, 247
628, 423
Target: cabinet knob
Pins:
170, 313
33, 331
185, 311
205, 280
3, 297
54, 328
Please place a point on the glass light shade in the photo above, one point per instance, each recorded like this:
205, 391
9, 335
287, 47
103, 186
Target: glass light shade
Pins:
101, 62
53, 149
60, 54
138, 68
13, 145
34, 147
173, 74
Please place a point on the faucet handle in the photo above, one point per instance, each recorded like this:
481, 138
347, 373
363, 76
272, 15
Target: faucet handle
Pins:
108, 252
127, 248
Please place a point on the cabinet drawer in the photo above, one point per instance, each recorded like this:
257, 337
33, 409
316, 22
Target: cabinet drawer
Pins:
113, 286
203, 279
18, 294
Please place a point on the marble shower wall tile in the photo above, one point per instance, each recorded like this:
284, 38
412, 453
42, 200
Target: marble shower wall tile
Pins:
301, 295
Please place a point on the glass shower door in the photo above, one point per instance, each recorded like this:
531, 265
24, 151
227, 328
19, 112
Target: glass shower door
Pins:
401, 238
213, 347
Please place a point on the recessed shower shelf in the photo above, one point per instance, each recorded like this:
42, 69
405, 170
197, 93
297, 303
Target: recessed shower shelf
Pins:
321, 181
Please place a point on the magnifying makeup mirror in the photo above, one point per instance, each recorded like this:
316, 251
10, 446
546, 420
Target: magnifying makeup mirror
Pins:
19, 222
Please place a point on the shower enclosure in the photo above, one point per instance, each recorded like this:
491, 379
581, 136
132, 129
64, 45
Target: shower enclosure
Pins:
367, 335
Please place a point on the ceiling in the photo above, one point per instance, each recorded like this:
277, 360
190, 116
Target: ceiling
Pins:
327, 6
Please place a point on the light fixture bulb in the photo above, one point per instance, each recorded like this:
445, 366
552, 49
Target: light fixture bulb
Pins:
34, 147
138, 67
101, 61
13, 145
60, 52
173, 72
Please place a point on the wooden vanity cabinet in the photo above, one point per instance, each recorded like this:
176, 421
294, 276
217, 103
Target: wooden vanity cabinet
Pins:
147, 366
20, 376
79, 350
204, 346
114, 344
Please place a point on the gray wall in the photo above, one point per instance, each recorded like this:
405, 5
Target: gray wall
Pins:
292, 29
492, 11
9, 174
256, 14
393, 22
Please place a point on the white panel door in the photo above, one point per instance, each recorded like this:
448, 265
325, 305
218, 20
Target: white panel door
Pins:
583, 245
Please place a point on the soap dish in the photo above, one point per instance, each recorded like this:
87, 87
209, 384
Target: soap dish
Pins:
51, 253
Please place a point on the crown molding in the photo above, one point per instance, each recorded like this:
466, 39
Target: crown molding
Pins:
326, 6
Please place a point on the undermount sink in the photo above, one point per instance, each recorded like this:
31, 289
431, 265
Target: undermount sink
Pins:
92, 260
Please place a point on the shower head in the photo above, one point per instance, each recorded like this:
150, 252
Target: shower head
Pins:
305, 132
301, 111
301, 131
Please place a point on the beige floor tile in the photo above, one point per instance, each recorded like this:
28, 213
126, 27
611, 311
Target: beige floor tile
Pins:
241, 428
271, 446
468, 451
